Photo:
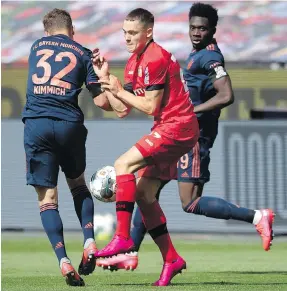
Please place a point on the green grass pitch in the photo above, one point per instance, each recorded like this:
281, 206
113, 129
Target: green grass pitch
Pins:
28, 263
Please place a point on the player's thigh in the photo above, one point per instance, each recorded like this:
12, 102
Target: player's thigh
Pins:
42, 166
160, 153
147, 189
193, 172
71, 139
163, 171
193, 167
130, 161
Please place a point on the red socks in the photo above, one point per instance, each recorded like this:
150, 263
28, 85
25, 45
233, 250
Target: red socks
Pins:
155, 222
125, 201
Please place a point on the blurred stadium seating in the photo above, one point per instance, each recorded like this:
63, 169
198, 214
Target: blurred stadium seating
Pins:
247, 31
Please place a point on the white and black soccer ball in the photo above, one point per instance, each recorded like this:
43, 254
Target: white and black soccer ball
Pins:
103, 184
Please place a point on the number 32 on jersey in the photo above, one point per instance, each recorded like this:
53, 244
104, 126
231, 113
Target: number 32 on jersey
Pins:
56, 80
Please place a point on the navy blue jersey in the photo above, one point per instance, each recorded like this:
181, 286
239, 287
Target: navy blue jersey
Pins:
58, 68
202, 68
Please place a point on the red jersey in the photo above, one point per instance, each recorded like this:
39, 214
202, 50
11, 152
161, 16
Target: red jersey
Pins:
157, 69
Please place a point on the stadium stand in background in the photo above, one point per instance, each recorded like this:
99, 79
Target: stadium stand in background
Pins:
247, 31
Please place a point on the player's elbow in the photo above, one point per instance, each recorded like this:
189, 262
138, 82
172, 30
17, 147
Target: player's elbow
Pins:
150, 112
122, 114
152, 109
229, 99
226, 99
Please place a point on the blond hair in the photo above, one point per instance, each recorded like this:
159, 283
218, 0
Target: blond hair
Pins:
57, 19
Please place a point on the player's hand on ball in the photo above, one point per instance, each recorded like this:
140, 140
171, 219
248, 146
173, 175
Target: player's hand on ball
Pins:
100, 64
113, 84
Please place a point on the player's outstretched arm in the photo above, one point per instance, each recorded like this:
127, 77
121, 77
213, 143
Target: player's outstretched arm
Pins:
149, 103
101, 68
224, 96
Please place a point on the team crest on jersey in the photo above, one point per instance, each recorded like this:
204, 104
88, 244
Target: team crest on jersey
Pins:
140, 71
190, 63
146, 76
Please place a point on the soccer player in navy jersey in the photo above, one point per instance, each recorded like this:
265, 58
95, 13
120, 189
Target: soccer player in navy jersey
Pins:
55, 136
210, 90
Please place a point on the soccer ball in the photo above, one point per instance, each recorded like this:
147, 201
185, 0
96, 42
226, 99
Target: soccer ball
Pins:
103, 184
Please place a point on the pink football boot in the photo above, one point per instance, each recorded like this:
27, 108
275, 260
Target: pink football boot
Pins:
118, 245
121, 261
169, 271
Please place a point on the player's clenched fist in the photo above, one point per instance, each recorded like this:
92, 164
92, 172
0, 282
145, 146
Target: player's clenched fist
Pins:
100, 64
112, 84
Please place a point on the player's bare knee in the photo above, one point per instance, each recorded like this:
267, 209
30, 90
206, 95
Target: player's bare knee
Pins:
122, 166
147, 189
189, 192
47, 195
145, 199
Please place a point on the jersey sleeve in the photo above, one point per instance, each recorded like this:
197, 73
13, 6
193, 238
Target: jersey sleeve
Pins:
155, 74
128, 78
212, 62
91, 80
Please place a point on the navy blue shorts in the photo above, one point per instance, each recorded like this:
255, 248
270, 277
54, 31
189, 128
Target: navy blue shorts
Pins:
51, 143
193, 167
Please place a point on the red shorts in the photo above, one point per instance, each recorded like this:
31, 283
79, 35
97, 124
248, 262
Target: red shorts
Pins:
162, 154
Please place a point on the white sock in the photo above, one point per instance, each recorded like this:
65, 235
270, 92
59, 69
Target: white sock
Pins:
88, 242
64, 260
257, 217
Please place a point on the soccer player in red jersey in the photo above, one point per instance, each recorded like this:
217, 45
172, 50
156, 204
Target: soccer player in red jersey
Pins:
155, 77
210, 90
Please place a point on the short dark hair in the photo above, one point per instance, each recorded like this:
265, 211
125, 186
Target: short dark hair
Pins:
143, 15
204, 10
57, 19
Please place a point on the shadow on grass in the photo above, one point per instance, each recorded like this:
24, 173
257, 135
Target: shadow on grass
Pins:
221, 282
253, 272
201, 283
